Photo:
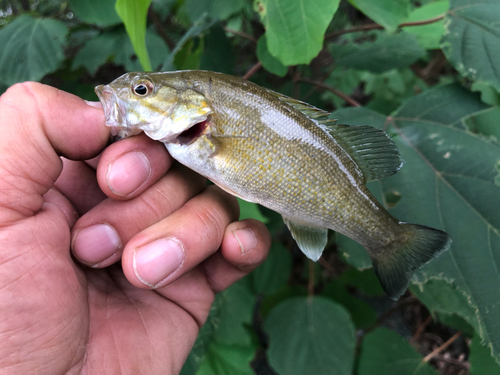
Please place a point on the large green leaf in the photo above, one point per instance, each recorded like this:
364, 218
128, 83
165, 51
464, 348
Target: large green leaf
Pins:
295, 28
385, 352
389, 51
116, 45
268, 61
133, 14
449, 182
100, 12
472, 39
226, 359
480, 359
218, 55
428, 36
310, 336
31, 48
273, 274
388, 13
218, 9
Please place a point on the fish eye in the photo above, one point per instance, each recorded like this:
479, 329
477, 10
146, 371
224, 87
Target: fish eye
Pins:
142, 88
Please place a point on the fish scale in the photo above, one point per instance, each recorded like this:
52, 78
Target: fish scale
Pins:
279, 152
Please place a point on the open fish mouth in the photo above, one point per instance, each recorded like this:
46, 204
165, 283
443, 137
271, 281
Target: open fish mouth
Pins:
194, 132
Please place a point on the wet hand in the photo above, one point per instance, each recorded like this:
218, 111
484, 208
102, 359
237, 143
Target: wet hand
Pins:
179, 243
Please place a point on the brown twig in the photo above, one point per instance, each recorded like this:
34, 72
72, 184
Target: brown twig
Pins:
252, 70
431, 355
339, 93
376, 26
241, 33
327, 266
421, 328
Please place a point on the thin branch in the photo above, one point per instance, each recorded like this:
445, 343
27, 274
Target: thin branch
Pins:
242, 34
339, 93
376, 26
420, 329
431, 355
252, 70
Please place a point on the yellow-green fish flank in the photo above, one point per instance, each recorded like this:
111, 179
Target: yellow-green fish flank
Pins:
284, 154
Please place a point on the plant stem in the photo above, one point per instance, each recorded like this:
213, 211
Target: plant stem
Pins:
339, 93
242, 34
310, 284
429, 356
252, 70
376, 26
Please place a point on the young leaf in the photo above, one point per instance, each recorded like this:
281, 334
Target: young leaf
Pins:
310, 336
268, 61
385, 352
101, 13
295, 28
389, 51
133, 14
481, 362
428, 36
31, 48
472, 39
388, 13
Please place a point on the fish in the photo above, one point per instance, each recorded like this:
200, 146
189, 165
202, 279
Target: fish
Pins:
282, 153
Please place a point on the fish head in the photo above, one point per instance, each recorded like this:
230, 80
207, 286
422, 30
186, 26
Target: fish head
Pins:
159, 107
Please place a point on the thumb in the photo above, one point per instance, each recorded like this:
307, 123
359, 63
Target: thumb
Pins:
39, 123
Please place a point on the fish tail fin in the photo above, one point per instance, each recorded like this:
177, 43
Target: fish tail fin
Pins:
394, 264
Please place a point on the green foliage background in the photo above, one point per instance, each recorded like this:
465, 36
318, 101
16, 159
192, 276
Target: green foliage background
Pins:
427, 72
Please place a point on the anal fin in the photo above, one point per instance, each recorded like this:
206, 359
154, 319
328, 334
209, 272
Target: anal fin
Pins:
311, 240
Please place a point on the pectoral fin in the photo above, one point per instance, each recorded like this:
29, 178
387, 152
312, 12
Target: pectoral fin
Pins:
311, 240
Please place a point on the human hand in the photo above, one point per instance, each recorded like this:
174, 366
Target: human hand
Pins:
178, 241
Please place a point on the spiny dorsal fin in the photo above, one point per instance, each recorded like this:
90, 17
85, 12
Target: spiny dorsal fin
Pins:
307, 109
371, 149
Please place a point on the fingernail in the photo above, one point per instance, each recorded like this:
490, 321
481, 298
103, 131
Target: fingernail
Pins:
157, 260
94, 104
246, 239
127, 173
96, 243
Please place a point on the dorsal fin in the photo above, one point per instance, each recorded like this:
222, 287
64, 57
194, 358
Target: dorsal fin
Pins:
307, 109
371, 149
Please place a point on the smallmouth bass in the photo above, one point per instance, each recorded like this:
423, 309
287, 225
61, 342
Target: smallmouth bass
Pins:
282, 153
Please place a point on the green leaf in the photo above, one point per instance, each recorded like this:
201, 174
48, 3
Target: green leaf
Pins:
199, 26
133, 14
226, 359
450, 182
442, 297
236, 310
389, 51
189, 56
295, 29
310, 336
385, 352
274, 273
250, 210
472, 39
218, 55
115, 45
216, 9
486, 123
268, 61
428, 36
366, 281
31, 48
481, 362
101, 13
361, 312
388, 13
